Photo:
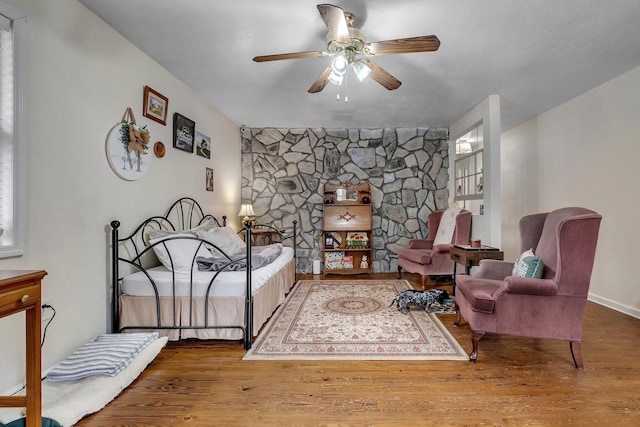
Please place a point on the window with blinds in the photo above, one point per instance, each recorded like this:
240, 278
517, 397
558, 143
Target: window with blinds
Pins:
12, 141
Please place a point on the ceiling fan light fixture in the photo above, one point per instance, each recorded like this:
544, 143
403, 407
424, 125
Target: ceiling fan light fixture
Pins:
361, 70
347, 44
340, 65
336, 79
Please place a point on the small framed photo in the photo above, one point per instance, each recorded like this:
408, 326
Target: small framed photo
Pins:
209, 179
155, 105
203, 145
183, 132
328, 241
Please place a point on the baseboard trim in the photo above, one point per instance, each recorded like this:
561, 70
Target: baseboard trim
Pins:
614, 305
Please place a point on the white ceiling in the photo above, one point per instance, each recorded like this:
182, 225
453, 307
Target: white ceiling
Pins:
535, 54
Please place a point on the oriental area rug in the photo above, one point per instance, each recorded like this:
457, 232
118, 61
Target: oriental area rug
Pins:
352, 320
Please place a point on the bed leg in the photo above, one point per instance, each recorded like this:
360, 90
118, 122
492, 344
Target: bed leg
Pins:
248, 333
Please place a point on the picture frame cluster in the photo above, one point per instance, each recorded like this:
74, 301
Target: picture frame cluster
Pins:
185, 135
187, 138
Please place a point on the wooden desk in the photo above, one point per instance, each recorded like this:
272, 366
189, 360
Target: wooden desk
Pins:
469, 257
20, 291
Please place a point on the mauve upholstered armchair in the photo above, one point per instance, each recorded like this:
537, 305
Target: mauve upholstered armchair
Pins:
431, 256
550, 307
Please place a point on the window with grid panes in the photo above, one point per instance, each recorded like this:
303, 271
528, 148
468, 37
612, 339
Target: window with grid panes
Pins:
469, 171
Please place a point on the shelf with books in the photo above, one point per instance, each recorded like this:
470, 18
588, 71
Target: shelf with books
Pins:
347, 227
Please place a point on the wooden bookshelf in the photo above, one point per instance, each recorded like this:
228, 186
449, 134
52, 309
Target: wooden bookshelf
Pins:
347, 229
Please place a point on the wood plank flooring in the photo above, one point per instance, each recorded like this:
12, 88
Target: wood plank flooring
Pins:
515, 382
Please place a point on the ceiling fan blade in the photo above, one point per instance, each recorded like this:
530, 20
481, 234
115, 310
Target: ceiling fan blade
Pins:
409, 45
381, 76
335, 21
321, 81
280, 56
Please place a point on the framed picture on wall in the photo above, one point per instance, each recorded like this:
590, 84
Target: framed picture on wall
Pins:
203, 145
155, 105
183, 132
209, 179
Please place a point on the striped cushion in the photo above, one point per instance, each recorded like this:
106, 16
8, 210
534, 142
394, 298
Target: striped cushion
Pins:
104, 355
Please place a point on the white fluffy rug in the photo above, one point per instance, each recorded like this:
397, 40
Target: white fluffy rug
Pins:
67, 402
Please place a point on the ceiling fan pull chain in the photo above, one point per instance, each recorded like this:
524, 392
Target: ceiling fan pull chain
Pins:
346, 88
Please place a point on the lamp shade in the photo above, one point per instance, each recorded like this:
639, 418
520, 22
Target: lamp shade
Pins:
336, 79
464, 147
340, 65
246, 210
361, 70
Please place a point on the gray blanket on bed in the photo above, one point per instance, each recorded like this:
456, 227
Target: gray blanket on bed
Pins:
260, 256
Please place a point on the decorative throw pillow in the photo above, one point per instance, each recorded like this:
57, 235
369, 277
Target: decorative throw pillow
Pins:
528, 265
183, 251
528, 252
224, 238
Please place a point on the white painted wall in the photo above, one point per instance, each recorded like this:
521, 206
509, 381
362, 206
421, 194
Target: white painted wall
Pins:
585, 152
485, 227
82, 76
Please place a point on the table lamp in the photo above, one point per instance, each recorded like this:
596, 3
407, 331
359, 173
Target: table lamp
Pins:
246, 211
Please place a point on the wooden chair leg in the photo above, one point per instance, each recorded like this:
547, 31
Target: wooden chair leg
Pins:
458, 315
576, 353
423, 282
399, 272
476, 336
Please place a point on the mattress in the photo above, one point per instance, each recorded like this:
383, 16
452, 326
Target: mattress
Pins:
227, 283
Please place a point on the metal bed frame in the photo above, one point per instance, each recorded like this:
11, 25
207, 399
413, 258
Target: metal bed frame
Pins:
183, 214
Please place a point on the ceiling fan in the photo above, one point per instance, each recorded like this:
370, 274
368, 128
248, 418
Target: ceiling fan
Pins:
350, 48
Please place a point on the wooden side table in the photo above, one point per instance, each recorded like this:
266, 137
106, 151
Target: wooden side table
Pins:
264, 236
20, 291
469, 256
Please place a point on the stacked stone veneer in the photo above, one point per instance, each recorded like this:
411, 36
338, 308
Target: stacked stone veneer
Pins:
284, 172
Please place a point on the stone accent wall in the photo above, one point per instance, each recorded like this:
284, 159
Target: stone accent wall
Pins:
284, 171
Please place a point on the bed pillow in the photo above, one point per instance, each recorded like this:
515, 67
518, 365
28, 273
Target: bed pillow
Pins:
157, 234
208, 225
225, 238
528, 265
183, 252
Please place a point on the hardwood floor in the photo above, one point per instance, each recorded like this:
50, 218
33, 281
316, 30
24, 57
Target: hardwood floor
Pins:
516, 381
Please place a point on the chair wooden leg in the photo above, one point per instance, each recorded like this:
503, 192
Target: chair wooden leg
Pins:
423, 282
458, 315
399, 272
576, 353
476, 336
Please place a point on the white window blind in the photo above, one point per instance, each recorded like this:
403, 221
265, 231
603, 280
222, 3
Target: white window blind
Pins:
6, 132
12, 136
